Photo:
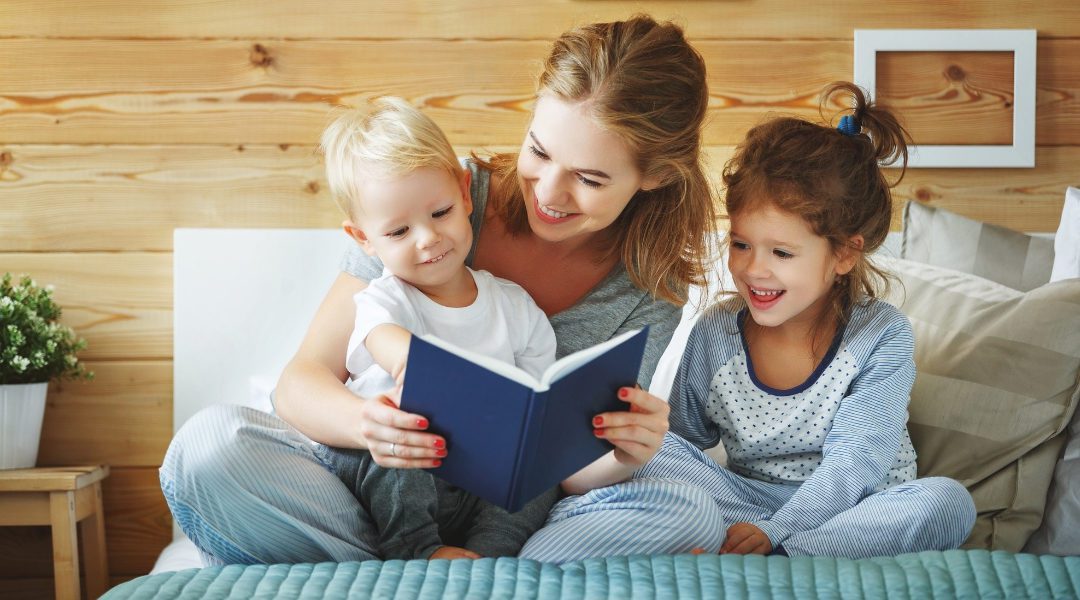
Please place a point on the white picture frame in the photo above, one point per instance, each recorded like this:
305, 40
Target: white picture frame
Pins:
1021, 42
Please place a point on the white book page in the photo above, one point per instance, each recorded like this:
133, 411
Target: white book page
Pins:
559, 369
507, 370
569, 363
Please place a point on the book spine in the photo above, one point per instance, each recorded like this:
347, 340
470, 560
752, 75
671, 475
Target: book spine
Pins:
528, 449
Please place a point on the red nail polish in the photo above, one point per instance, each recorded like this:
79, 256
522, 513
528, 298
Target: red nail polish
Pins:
598, 421
436, 463
421, 423
624, 393
439, 443
440, 452
598, 432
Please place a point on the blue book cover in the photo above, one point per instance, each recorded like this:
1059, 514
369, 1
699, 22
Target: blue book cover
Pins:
511, 437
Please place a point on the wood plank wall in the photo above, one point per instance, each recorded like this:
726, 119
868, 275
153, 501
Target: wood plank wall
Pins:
121, 121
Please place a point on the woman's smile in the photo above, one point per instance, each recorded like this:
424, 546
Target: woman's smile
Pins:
550, 215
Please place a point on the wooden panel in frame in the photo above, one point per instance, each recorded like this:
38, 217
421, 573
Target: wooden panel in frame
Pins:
1021, 42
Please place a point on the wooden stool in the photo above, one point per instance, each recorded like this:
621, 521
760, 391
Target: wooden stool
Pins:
62, 497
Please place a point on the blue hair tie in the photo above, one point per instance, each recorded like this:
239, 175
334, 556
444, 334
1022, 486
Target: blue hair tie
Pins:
848, 125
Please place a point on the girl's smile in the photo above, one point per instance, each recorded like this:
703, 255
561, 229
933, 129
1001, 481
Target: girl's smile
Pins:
782, 269
762, 299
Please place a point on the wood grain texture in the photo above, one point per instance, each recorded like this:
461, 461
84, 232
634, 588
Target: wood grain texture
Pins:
130, 406
212, 91
52, 479
274, 92
138, 524
121, 303
224, 91
950, 97
137, 527
140, 194
130, 198
495, 19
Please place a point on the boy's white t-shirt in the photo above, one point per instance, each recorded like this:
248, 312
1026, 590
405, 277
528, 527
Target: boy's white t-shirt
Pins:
504, 323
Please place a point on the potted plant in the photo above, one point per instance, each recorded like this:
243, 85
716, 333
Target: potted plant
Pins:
34, 349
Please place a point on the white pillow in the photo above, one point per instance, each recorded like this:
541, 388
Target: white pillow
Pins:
1067, 241
1060, 530
717, 278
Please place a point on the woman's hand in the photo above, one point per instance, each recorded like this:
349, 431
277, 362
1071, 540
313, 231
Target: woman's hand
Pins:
638, 432
396, 438
746, 538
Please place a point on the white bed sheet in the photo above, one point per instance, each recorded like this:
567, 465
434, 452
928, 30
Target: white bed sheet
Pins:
180, 554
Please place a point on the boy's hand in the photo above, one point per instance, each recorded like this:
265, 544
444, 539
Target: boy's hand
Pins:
452, 552
638, 432
745, 538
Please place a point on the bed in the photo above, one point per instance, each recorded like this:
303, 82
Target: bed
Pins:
951, 574
251, 291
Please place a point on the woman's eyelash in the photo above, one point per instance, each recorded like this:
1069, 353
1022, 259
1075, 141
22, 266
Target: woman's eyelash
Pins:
588, 182
543, 156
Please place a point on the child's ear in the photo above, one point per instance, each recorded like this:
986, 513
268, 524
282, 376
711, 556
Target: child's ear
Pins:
849, 254
466, 197
358, 234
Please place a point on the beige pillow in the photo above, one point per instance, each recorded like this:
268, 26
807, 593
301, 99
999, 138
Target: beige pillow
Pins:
938, 237
998, 375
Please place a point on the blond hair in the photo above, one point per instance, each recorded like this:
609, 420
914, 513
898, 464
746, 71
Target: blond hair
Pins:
391, 140
645, 83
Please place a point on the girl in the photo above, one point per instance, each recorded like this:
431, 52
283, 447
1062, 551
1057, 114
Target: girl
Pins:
804, 376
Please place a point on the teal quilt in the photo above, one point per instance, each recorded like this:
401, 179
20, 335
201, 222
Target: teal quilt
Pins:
950, 574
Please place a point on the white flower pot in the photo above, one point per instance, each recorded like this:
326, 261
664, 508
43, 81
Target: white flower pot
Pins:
22, 408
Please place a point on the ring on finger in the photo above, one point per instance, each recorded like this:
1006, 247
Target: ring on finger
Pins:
393, 448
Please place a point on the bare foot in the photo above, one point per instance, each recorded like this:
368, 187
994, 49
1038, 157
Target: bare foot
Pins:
452, 552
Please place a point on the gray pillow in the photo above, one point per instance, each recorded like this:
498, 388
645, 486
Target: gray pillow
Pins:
945, 239
1060, 530
998, 380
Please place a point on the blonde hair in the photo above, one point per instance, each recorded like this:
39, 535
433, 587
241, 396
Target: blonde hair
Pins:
830, 179
393, 139
645, 83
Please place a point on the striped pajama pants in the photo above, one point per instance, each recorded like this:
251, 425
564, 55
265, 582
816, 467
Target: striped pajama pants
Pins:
247, 488
683, 500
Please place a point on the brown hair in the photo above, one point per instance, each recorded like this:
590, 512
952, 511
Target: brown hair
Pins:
646, 84
830, 179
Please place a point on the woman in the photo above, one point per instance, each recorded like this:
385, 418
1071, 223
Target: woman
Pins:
601, 217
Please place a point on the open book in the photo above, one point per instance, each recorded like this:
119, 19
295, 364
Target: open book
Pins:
511, 437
